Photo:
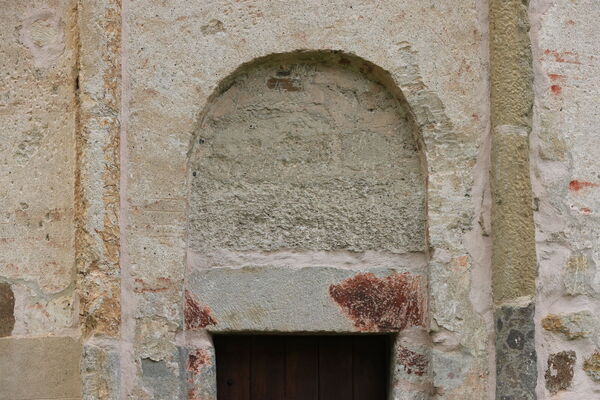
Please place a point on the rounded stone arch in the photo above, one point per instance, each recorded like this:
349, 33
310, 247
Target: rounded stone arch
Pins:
359, 103
309, 167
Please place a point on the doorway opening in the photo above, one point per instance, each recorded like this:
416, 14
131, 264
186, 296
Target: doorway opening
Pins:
268, 367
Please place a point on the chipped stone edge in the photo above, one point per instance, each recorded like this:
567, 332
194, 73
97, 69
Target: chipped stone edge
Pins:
97, 203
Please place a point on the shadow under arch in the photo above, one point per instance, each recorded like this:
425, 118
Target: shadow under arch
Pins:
307, 209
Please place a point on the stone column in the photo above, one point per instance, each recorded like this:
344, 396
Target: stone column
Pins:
514, 264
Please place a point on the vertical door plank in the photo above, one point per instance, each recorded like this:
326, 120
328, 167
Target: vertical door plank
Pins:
335, 368
301, 368
370, 372
268, 368
233, 367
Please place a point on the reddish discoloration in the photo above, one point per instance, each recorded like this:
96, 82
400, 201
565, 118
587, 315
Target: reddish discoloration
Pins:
576, 185
140, 287
413, 363
283, 83
385, 304
196, 360
556, 89
563, 57
556, 77
461, 262
196, 316
366, 68
585, 210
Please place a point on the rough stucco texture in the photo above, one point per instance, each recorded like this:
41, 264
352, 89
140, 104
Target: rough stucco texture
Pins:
566, 166
307, 155
37, 116
514, 263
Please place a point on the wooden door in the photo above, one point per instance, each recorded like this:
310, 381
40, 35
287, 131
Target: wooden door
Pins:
302, 367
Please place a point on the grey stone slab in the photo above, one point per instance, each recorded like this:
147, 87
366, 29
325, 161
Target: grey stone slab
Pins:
516, 358
304, 299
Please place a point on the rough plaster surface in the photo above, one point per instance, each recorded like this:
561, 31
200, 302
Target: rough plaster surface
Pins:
306, 152
38, 119
38, 116
565, 157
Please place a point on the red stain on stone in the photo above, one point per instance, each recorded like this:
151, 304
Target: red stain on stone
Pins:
385, 304
413, 363
585, 210
576, 185
563, 57
196, 360
556, 77
196, 316
556, 89
140, 287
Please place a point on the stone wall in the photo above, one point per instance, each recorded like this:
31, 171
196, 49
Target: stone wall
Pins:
176, 170
39, 345
565, 155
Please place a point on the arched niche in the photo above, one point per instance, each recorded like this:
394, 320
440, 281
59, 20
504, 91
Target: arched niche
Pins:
307, 209
307, 151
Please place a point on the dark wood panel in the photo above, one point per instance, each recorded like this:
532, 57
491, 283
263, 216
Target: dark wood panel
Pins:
233, 367
302, 368
370, 375
267, 368
335, 368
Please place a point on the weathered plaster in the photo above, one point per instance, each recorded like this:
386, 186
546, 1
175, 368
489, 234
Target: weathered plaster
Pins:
565, 154
38, 116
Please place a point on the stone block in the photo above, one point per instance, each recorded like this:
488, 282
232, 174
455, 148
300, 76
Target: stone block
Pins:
559, 374
516, 359
7, 309
304, 299
40, 368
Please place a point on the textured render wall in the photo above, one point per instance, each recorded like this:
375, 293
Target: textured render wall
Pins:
176, 54
565, 157
38, 108
307, 154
